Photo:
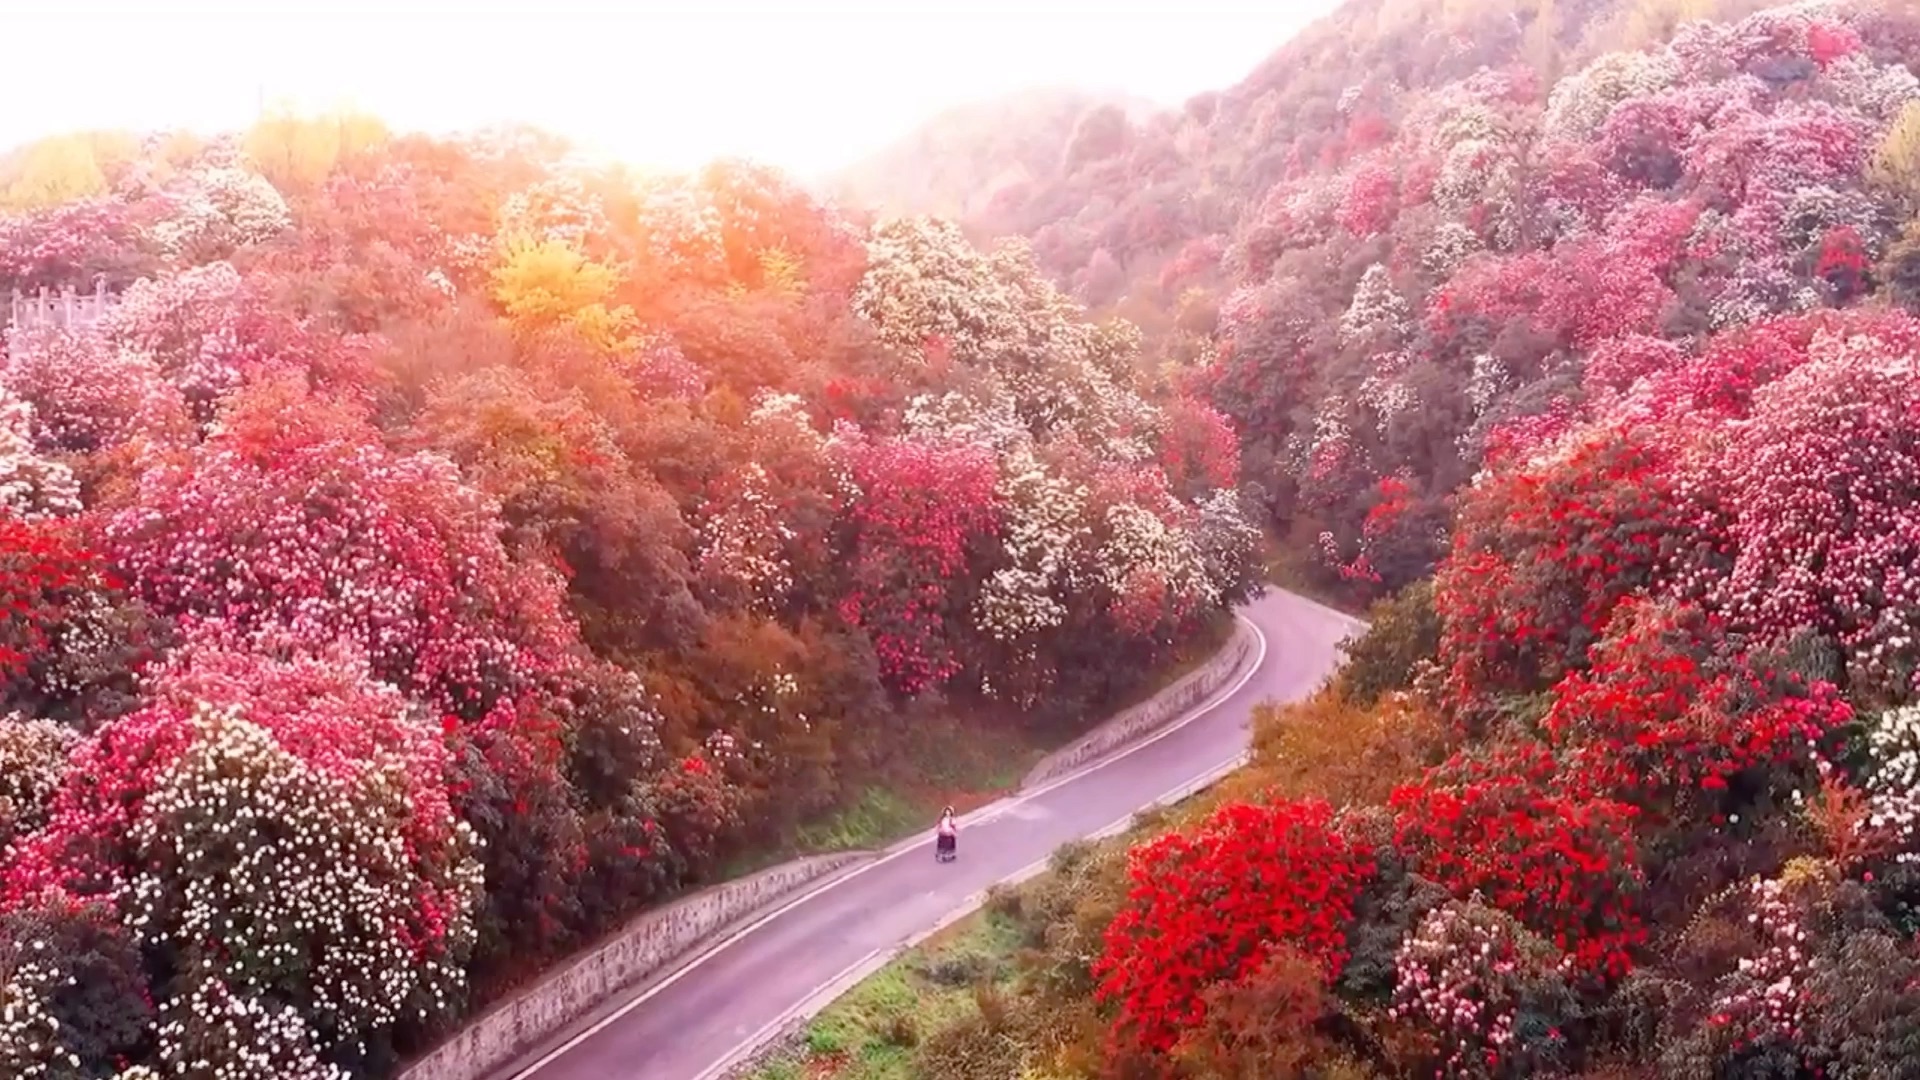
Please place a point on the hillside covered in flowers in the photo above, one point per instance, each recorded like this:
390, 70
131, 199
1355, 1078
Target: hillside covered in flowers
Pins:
443, 549
1601, 368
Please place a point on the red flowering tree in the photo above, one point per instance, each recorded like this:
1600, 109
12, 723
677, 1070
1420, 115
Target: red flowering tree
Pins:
507, 780
46, 575
1199, 450
1210, 906
924, 508
1544, 552
1666, 718
1370, 199
1568, 868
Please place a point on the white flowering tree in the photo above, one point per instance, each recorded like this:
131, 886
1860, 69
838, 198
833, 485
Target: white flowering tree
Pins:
31, 485
215, 210
284, 832
33, 756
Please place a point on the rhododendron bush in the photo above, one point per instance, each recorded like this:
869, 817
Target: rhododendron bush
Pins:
923, 507
302, 545
1212, 907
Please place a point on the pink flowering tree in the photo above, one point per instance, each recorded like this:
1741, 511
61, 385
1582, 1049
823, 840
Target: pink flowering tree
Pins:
924, 511
307, 537
89, 396
1820, 488
73, 244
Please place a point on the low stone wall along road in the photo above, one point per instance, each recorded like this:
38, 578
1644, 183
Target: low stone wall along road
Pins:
703, 1018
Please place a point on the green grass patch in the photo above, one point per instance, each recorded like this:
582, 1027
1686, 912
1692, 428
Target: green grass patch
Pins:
871, 1033
880, 815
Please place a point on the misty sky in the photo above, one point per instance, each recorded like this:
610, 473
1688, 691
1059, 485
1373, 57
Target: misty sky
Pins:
807, 86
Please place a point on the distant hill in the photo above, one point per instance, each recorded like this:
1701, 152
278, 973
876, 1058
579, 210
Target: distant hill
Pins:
956, 164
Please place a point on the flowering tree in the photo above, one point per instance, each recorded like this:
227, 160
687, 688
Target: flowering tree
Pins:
1195, 916
1542, 554
50, 585
89, 396
312, 538
924, 509
348, 888
73, 244
1494, 995
1667, 717
1820, 489
31, 485
1567, 868
215, 210
33, 754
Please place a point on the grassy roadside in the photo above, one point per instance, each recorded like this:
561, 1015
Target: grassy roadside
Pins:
872, 1032
950, 764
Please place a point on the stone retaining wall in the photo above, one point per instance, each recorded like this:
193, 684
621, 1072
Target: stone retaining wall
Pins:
1240, 652
651, 944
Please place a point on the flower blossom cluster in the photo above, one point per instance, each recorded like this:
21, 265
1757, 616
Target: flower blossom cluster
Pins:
1893, 785
33, 758
310, 544
30, 1047
31, 484
274, 878
214, 210
1465, 973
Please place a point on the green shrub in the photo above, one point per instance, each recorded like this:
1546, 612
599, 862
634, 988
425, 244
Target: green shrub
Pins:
955, 969
1403, 631
971, 1049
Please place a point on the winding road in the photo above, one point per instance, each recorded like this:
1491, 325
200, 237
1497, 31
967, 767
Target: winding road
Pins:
701, 1019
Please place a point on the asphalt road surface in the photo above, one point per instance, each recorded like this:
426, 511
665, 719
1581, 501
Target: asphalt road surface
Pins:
686, 1027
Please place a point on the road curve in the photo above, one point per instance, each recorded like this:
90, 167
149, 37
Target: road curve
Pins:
683, 1028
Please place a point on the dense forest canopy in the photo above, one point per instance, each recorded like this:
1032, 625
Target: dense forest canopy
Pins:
1585, 338
440, 550
506, 542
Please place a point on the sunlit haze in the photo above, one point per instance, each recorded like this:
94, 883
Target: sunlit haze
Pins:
807, 87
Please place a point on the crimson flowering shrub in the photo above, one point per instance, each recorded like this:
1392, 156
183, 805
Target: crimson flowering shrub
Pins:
46, 572
1198, 448
1568, 868
1543, 553
507, 781
1666, 718
1208, 908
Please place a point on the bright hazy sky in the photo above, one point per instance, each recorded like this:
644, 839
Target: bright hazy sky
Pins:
806, 86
